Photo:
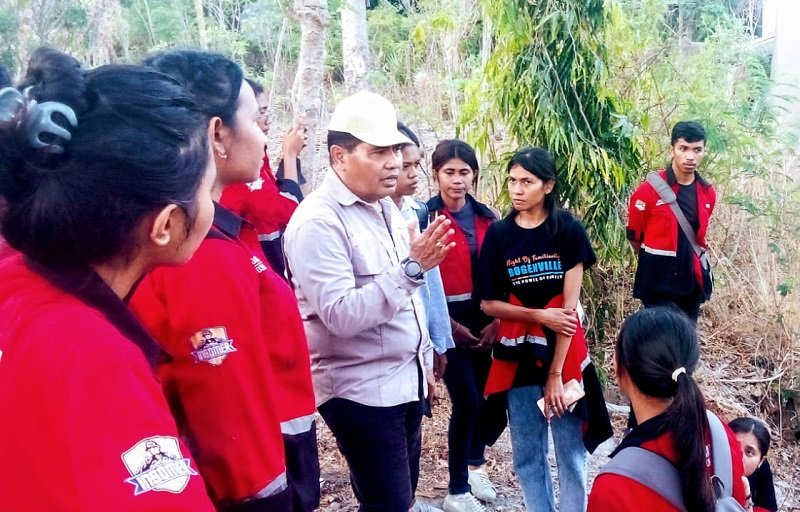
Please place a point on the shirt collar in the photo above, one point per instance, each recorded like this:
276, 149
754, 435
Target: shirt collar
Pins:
226, 221
84, 283
339, 190
647, 431
436, 203
671, 180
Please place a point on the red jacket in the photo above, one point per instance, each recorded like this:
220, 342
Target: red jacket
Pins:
652, 223
456, 269
615, 493
268, 207
261, 203
84, 425
239, 360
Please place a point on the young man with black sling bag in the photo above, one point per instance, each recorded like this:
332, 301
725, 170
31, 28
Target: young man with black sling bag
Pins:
668, 219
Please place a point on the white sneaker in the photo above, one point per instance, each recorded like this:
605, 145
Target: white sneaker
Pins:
462, 503
421, 506
482, 487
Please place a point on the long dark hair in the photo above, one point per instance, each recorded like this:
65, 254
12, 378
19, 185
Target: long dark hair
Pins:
212, 80
652, 344
540, 163
755, 427
448, 149
140, 144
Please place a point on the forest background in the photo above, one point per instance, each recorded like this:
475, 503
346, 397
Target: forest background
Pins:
599, 83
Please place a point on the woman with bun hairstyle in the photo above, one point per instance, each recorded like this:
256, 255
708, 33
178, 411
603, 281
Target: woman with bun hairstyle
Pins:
754, 440
104, 174
238, 377
455, 169
656, 354
531, 271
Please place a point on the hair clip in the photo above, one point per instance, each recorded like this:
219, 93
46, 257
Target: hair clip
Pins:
11, 104
40, 122
19, 109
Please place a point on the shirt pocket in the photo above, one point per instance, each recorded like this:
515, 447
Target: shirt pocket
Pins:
369, 259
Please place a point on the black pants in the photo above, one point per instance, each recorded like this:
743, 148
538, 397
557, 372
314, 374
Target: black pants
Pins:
302, 469
689, 304
465, 377
382, 447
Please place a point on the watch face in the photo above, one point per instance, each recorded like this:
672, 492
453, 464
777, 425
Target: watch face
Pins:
413, 269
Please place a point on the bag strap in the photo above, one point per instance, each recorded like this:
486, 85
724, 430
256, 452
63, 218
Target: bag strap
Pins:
651, 470
666, 194
721, 455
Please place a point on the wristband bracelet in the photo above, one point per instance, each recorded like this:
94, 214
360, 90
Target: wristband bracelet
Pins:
554, 373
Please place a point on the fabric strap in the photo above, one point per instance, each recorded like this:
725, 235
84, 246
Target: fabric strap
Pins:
666, 194
651, 470
721, 453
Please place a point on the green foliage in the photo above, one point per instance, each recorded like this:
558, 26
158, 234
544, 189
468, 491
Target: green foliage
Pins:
8, 34
546, 85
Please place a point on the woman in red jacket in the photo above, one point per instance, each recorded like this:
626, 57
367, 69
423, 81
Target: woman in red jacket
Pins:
656, 353
238, 377
103, 174
455, 168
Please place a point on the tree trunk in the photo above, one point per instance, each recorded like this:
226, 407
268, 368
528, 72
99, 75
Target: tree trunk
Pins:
101, 14
355, 49
200, 19
307, 91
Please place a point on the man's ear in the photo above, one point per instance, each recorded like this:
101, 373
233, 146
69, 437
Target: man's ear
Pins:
164, 224
337, 154
548, 187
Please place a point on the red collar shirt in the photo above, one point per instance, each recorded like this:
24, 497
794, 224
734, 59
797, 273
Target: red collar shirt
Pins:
239, 363
85, 426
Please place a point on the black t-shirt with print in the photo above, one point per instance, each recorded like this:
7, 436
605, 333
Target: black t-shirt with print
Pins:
530, 263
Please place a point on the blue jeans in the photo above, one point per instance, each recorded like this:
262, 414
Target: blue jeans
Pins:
529, 446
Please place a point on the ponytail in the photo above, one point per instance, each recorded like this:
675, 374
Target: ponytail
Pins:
658, 349
686, 419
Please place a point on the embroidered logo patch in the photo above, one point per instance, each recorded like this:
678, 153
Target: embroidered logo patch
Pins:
212, 346
258, 264
639, 204
256, 185
157, 464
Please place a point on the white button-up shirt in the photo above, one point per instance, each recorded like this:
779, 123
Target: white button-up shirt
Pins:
364, 322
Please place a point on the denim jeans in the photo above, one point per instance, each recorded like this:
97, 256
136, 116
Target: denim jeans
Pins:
382, 447
529, 447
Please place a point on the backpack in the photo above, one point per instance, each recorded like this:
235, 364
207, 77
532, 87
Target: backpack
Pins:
662, 477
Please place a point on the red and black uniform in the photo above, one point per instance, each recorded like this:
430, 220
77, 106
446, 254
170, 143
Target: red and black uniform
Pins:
85, 425
239, 375
467, 368
668, 268
612, 493
268, 204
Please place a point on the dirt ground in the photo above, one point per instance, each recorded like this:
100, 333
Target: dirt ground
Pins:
337, 495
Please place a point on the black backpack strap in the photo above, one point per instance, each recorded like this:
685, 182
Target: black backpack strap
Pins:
649, 469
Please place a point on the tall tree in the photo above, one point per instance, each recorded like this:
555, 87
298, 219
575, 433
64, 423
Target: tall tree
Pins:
545, 84
355, 47
101, 16
307, 90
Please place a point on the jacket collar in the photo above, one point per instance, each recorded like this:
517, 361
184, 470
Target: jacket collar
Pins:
436, 203
671, 180
647, 431
84, 283
227, 222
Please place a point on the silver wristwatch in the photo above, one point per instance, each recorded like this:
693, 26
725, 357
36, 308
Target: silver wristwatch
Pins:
412, 268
